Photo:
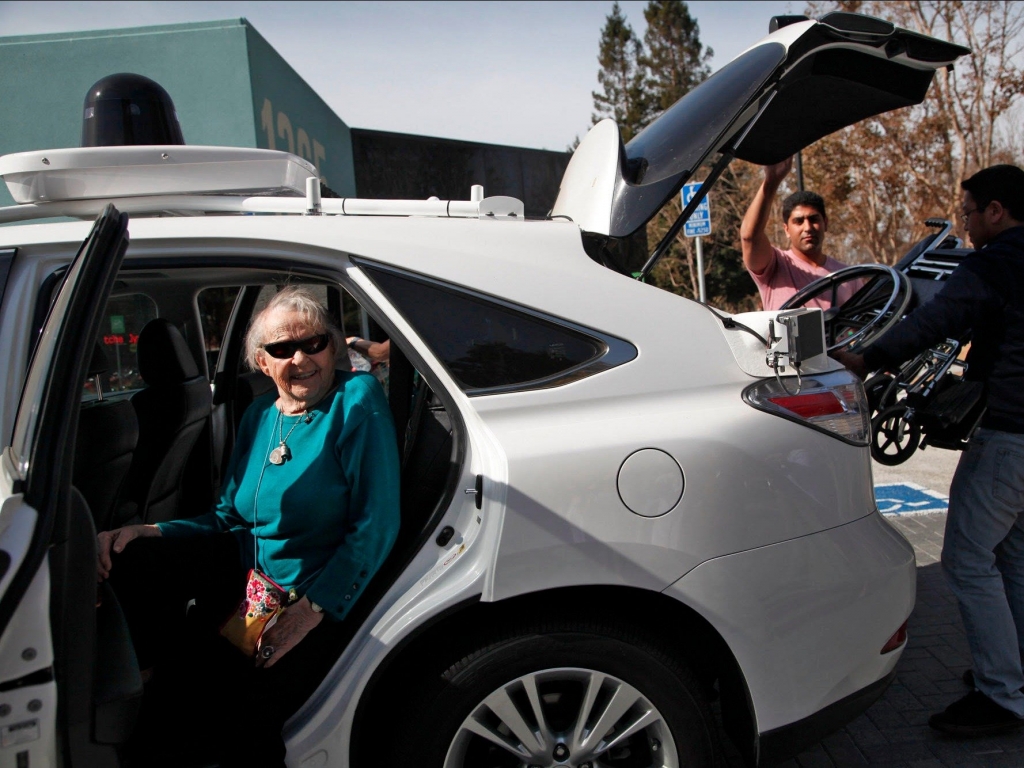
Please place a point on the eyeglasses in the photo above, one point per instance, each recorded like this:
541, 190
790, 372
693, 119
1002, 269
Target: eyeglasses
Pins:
966, 215
283, 350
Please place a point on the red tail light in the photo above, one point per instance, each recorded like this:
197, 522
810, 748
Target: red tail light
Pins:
832, 402
896, 640
810, 405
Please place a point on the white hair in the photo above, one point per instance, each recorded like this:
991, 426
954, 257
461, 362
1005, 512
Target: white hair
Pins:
301, 301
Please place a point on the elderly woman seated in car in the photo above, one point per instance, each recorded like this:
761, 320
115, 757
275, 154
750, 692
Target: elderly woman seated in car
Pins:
307, 514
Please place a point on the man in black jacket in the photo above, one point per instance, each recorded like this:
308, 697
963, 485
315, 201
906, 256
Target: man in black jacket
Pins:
983, 547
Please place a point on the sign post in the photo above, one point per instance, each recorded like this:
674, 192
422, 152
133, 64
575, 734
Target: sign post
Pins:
698, 225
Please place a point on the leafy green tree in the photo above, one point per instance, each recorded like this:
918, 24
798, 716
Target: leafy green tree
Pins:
675, 58
641, 80
622, 77
676, 62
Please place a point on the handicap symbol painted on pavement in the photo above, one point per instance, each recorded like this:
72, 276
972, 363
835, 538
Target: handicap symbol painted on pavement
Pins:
909, 499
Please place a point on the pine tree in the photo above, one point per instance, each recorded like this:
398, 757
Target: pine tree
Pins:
676, 62
676, 58
622, 76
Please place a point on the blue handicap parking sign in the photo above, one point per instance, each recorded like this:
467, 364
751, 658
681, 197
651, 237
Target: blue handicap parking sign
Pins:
908, 499
699, 223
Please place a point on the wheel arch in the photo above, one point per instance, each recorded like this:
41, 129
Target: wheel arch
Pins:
673, 626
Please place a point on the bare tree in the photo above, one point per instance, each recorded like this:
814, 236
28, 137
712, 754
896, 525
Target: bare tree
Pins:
728, 285
885, 175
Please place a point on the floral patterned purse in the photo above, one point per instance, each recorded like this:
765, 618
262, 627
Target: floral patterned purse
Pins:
263, 601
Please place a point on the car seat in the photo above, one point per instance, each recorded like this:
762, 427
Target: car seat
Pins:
172, 411
108, 431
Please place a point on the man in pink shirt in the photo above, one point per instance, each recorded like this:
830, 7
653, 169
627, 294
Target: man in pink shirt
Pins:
780, 274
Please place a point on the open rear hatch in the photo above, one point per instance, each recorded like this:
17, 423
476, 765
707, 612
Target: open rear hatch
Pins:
803, 81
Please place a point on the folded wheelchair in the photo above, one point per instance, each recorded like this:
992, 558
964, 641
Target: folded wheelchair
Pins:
927, 401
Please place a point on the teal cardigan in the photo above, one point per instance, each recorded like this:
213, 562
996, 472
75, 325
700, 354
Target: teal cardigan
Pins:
326, 519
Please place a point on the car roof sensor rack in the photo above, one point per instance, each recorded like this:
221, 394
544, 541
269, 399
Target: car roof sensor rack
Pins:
498, 207
183, 181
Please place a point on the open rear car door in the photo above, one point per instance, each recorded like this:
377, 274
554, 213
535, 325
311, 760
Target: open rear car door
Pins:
69, 683
803, 81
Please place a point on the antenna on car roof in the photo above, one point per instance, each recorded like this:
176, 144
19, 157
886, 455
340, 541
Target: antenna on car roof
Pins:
127, 109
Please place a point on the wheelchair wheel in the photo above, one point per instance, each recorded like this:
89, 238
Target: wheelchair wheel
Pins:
893, 437
879, 304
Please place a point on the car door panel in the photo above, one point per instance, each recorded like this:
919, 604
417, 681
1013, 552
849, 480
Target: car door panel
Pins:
28, 691
46, 528
91, 665
17, 522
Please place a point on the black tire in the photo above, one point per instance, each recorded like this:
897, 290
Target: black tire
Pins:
562, 662
893, 438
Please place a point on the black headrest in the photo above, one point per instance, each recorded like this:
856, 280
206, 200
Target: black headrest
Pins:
99, 363
163, 354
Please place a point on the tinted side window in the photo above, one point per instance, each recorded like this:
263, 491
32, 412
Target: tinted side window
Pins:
483, 343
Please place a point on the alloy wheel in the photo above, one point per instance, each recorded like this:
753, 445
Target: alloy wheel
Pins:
564, 717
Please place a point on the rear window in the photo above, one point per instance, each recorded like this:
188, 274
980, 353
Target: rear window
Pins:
487, 344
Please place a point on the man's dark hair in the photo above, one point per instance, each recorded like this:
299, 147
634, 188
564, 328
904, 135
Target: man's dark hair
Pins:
1004, 183
810, 199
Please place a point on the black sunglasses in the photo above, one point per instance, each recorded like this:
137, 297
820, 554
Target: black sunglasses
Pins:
283, 350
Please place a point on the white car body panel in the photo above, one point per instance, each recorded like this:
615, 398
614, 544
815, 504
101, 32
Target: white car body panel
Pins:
552, 514
745, 487
852, 576
786, 35
25, 646
585, 194
556, 452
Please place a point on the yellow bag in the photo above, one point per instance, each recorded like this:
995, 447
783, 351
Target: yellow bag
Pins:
263, 601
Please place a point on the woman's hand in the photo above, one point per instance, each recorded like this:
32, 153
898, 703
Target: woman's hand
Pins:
115, 541
292, 624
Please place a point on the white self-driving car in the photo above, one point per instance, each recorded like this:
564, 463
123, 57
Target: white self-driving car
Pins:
618, 505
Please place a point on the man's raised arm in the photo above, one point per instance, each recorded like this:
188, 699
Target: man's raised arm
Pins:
757, 249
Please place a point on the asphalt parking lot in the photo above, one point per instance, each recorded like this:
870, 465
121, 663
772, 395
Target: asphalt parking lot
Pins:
894, 732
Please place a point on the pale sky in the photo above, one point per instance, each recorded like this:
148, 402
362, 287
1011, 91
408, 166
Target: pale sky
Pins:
430, 68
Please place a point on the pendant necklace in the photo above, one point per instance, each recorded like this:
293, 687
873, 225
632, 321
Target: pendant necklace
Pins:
282, 453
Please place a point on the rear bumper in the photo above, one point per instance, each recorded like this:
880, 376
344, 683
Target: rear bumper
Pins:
806, 619
781, 743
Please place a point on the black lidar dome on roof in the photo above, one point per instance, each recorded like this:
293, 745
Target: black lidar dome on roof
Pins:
127, 109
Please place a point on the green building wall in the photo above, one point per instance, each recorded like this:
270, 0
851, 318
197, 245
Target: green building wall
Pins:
229, 86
